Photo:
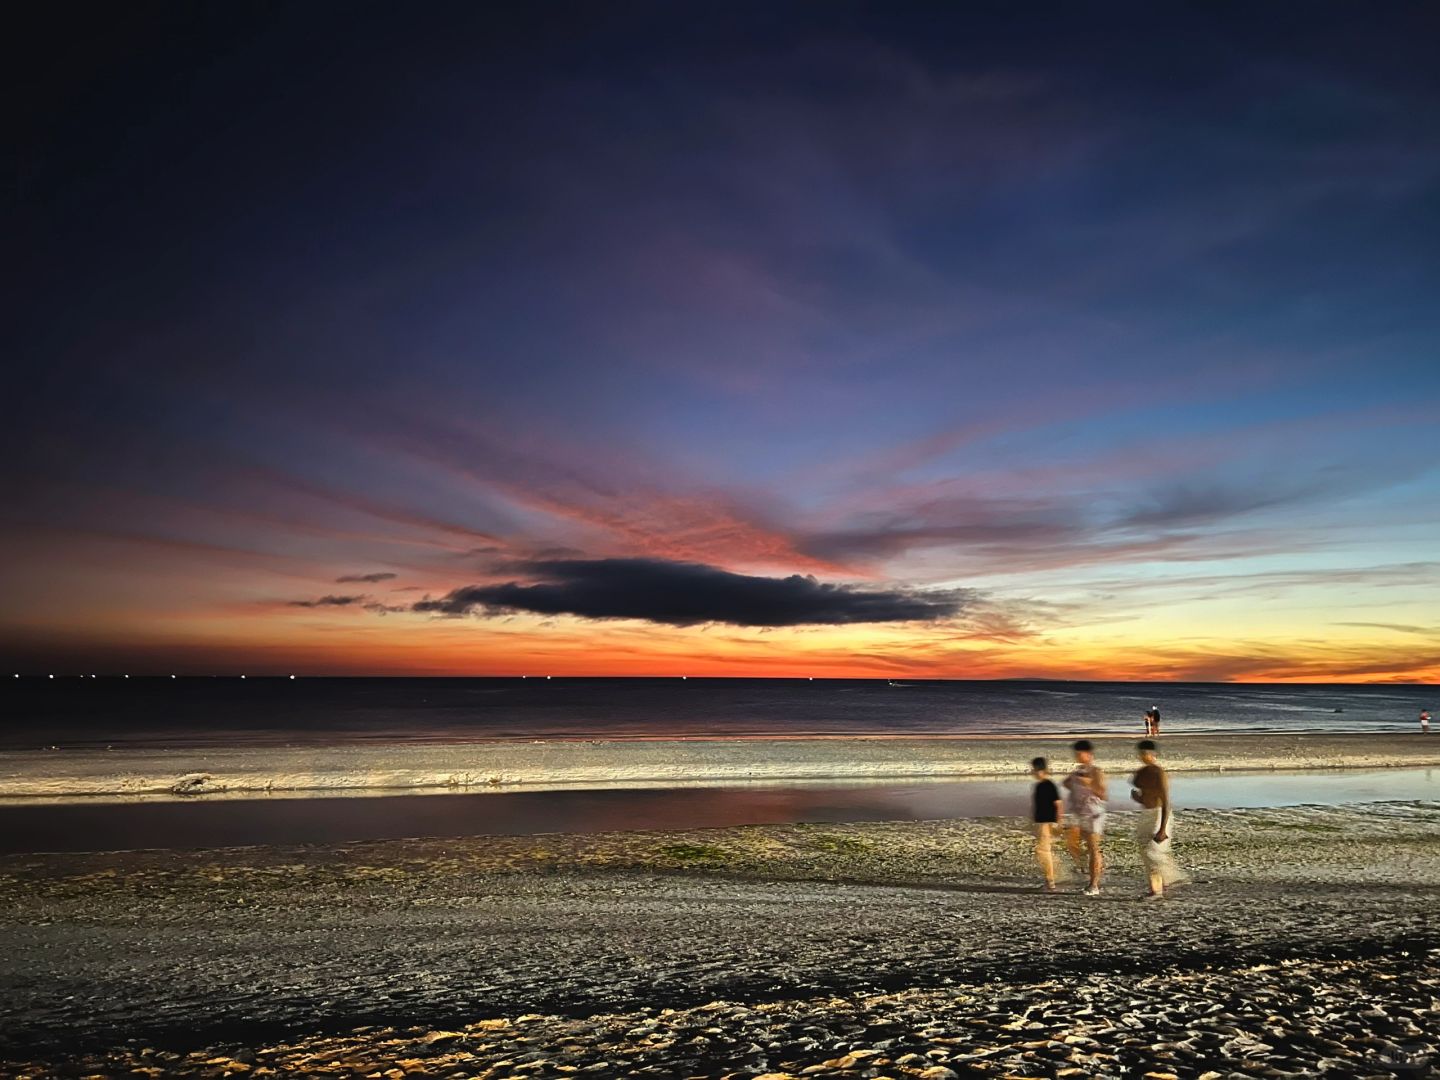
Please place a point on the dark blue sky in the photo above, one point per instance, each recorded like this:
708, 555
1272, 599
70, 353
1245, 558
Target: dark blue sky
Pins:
1067, 310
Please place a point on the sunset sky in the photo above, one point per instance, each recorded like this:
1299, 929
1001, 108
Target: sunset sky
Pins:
726, 339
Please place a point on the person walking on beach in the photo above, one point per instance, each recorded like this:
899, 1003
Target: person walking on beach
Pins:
1151, 789
1085, 810
1046, 815
1424, 721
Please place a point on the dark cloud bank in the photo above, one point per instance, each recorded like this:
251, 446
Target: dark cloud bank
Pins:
371, 579
688, 594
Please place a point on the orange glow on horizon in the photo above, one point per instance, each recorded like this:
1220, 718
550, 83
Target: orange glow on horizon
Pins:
463, 648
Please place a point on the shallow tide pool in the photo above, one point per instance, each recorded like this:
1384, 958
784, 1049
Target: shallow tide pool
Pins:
280, 820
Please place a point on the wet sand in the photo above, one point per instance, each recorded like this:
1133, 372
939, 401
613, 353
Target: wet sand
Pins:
380, 768
1307, 946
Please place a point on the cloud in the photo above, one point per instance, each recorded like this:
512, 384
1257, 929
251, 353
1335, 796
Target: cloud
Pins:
328, 601
559, 553
889, 539
1284, 661
1272, 583
688, 594
606, 502
368, 578
1399, 628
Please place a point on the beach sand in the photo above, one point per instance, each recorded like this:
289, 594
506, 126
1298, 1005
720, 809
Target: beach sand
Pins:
378, 768
1307, 946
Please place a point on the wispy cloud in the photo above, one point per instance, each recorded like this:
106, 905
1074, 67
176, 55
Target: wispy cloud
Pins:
1399, 628
610, 503
327, 601
1283, 661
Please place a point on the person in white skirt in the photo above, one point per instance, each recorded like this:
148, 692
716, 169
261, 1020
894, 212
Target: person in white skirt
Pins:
1153, 832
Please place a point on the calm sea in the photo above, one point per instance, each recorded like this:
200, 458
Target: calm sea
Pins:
229, 711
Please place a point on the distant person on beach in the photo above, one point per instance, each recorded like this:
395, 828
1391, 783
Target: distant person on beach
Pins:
1046, 815
1424, 721
1152, 721
1085, 810
1151, 789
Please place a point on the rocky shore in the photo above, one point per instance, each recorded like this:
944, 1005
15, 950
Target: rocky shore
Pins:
1308, 946
1340, 1019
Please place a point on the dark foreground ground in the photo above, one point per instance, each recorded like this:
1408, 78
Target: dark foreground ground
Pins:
1307, 947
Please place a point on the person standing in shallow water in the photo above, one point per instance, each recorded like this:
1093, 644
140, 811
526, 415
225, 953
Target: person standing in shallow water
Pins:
1046, 816
1153, 832
1424, 721
1085, 809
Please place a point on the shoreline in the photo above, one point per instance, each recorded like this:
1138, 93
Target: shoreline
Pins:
377, 769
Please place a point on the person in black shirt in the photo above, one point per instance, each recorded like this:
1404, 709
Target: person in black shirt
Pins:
1046, 815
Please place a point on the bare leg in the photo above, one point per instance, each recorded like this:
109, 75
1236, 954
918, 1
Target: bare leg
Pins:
1044, 853
1072, 844
1096, 863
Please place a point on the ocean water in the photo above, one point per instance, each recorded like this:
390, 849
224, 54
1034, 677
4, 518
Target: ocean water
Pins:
228, 711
